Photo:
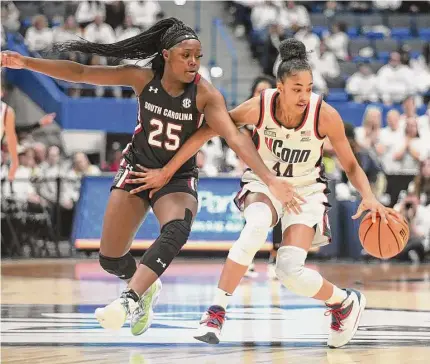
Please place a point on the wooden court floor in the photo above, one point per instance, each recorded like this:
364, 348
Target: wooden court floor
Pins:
47, 317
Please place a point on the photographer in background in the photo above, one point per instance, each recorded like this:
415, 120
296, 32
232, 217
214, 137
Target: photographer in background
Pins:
418, 219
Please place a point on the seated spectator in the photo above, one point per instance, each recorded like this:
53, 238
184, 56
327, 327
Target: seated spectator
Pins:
395, 81
99, 32
294, 16
337, 41
205, 169
345, 190
127, 29
22, 188
412, 150
264, 14
87, 12
327, 63
424, 124
213, 156
10, 16
389, 139
143, 13
421, 67
312, 43
387, 4
409, 110
115, 13
367, 135
418, 218
39, 37
275, 37
420, 186
68, 31
362, 85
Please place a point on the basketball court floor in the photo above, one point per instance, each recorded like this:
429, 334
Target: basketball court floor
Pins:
47, 317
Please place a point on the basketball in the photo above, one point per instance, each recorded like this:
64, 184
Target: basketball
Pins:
383, 240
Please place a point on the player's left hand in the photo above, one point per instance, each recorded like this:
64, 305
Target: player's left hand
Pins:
375, 207
149, 179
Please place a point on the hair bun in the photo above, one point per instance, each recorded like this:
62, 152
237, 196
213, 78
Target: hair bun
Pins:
292, 48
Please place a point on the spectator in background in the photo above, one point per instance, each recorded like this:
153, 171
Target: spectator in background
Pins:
412, 150
327, 64
421, 67
345, 190
387, 5
275, 37
127, 30
296, 16
418, 218
205, 169
395, 81
389, 139
420, 186
87, 12
213, 156
362, 85
68, 31
10, 16
39, 37
337, 41
409, 111
367, 135
99, 32
115, 13
264, 14
312, 43
40, 155
424, 124
143, 13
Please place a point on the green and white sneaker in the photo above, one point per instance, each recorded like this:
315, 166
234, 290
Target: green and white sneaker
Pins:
141, 317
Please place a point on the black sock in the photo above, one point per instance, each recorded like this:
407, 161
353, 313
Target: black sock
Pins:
130, 293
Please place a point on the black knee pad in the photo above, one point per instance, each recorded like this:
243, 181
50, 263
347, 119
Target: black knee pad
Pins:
123, 267
172, 238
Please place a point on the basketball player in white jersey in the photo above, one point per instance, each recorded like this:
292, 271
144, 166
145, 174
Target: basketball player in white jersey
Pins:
291, 126
7, 129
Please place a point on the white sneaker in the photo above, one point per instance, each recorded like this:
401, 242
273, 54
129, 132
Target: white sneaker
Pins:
345, 318
141, 317
211, 325
114, 315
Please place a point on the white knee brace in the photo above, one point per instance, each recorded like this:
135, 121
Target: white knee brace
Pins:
291, 271
258, 218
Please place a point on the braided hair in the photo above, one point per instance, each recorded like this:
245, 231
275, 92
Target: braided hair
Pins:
149, 44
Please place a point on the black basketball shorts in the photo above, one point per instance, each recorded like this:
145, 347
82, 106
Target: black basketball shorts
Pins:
178, 183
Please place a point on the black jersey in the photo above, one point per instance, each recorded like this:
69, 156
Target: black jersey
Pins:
164, 124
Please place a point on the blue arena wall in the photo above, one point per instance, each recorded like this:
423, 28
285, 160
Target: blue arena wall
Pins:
217, 225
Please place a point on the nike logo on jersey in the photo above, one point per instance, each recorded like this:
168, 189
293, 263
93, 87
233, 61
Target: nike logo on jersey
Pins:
270, 132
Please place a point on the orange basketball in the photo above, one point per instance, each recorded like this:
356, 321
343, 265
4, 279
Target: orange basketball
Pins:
383, 240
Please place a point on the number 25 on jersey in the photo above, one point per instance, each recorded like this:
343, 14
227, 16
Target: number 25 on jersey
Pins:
171, 132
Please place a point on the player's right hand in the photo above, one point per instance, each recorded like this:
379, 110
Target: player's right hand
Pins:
12, 60
285, 192
149, 179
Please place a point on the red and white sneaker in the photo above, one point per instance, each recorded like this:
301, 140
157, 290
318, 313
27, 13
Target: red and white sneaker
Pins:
345, 318
211, 324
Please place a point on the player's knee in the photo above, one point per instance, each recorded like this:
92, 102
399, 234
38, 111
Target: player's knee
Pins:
290, 263
258, 221
291, 271
123, 267
172, 238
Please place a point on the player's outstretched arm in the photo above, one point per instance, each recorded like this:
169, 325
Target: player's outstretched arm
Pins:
125, 75
331, 125
219, 120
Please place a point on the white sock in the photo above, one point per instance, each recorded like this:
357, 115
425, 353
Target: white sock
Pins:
338, 296
221, 298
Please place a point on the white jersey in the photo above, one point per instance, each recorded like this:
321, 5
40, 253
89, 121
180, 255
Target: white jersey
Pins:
296, 153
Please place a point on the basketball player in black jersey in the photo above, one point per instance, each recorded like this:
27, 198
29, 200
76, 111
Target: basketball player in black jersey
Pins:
171, 99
